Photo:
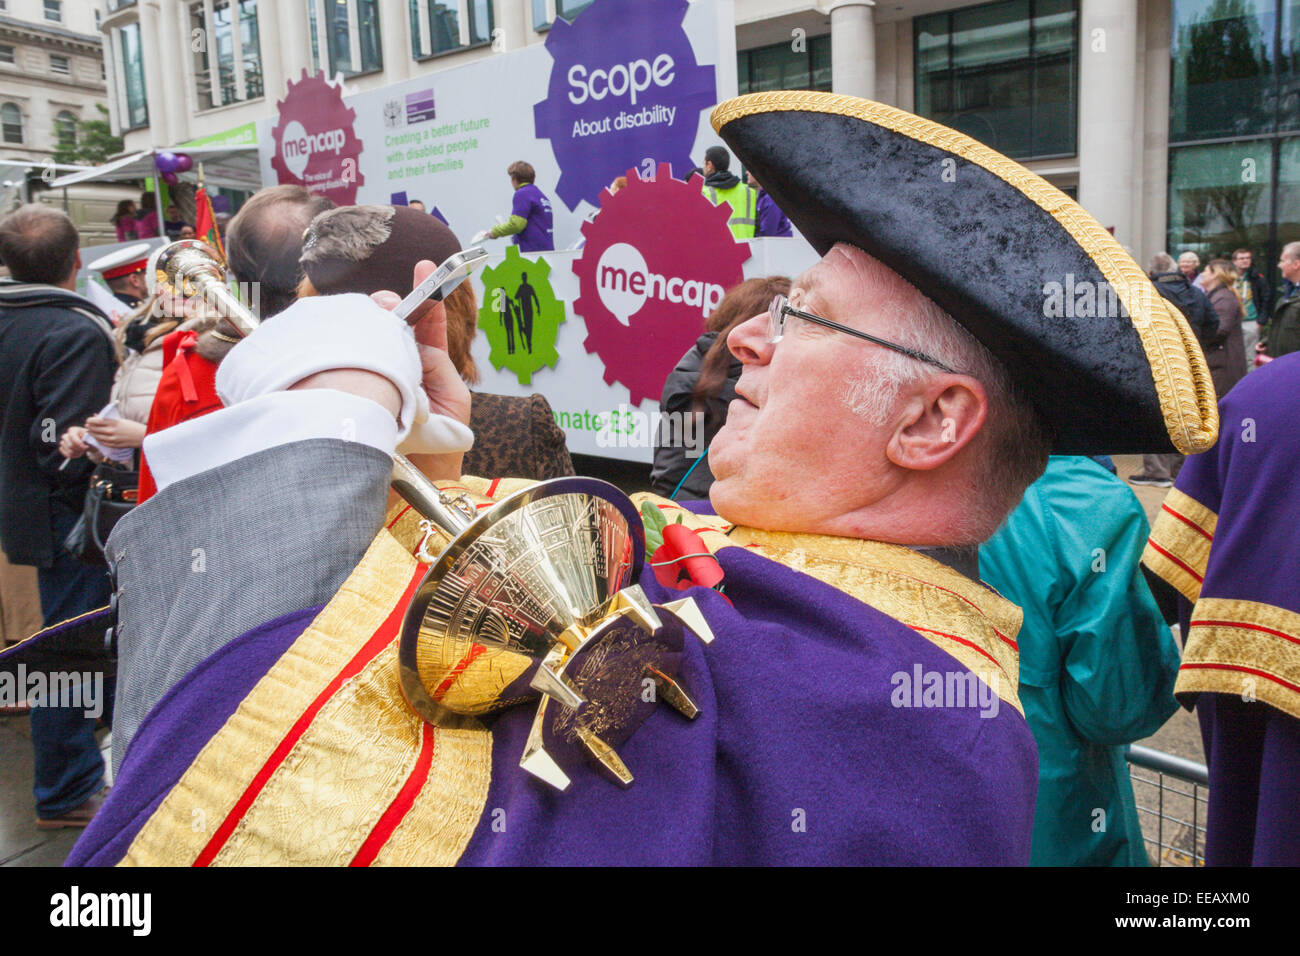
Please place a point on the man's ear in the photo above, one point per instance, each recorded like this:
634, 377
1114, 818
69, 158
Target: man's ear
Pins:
938, 421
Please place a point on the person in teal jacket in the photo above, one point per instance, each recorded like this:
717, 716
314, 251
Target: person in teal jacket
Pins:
1097, 662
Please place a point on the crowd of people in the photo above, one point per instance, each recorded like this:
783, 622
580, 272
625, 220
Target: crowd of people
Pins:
899, 467
1238, 320
140, 221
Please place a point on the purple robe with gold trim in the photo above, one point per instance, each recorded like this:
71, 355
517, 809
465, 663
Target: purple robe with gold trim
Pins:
828, 734
1226, 540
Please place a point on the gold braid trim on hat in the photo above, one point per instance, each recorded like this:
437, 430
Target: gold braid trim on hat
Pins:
1178, 369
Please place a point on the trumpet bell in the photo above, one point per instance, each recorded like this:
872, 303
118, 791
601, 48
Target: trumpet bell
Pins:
534, 574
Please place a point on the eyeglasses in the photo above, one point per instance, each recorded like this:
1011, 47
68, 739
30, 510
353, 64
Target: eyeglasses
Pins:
778, 325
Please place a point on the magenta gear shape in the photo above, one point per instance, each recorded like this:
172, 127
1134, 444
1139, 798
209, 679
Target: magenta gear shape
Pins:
679, 233
318, 105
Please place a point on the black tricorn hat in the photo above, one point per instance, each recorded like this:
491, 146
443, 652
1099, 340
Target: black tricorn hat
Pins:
1108, 363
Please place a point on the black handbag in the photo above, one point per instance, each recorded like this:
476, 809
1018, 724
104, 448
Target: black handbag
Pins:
112, 493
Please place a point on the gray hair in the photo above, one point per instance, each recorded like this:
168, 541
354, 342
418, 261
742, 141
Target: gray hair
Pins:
1015, 439
1291, 250
1161, 263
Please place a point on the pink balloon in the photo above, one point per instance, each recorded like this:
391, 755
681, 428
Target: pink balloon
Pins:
184, 163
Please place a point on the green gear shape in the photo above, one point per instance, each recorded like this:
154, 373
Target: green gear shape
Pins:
501, 301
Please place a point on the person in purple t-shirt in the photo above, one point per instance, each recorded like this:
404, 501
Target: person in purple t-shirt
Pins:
530, 214
771, 220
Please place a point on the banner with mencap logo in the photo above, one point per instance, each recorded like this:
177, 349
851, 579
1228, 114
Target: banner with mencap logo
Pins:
627, 86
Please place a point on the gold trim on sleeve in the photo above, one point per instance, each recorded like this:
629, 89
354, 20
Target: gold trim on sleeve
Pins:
322, 802
1243, 648
1178, 550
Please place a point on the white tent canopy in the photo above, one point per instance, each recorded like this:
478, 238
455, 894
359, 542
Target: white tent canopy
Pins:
234, 167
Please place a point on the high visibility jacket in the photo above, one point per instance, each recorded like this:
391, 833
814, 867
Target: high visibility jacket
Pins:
743, 201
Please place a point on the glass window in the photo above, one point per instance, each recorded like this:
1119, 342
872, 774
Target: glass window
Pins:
1286, 216
1224, 69
338, 40
1226, 195
54, 11
59, 64
435, 26
1004, 73
563, 8
1219, 197
136, 112
11, 119
251, 42
781, 67
65, 128
6, 53
219, 43
371, 42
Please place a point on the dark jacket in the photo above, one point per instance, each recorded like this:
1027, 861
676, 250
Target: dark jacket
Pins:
56, 370
1226, 352
1190, 301
515, 436
1283, 333
673, 457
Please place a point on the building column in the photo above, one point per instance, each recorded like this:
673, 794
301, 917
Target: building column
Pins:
294, 49
853, 47
270, 17
395, 40
515, 18
156, 80
112, 92
1108, 98
175, 45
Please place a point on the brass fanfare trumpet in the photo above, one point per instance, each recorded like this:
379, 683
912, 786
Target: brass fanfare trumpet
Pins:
534, 599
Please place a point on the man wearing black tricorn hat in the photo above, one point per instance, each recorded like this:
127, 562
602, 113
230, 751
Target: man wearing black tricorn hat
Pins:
858, 702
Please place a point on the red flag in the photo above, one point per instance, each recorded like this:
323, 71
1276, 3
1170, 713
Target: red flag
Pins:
205, 225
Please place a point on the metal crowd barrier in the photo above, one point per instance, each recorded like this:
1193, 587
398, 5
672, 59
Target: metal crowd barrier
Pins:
1186, 796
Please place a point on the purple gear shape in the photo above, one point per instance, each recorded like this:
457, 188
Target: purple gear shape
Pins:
318, 105
611, 32
676, 229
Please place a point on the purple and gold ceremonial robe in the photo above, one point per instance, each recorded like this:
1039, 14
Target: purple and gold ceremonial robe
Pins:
1226, 540
828, 733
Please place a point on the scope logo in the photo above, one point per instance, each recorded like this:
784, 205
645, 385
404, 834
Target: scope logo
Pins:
624, 282
658, 259
626, 89
315, 140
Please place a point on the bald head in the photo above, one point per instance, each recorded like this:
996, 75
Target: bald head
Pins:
264, 243
39, 244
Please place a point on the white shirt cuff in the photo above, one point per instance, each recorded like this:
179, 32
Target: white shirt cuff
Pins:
268, 421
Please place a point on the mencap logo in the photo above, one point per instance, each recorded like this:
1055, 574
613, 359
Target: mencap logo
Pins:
624, 282
315, 140
658, 259
625, 90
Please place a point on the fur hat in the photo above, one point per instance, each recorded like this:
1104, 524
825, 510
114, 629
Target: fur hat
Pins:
372, 248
